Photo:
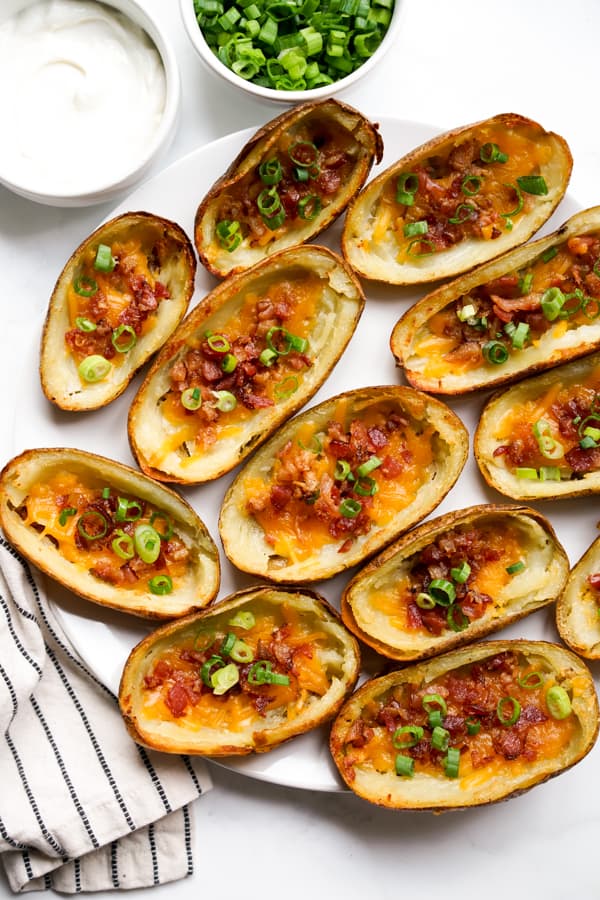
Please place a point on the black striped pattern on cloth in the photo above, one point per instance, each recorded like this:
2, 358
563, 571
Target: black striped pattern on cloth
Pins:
82, 807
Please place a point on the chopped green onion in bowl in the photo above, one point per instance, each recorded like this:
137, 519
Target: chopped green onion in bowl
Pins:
291, 50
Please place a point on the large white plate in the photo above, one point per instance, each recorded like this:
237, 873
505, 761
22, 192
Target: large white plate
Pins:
104, 638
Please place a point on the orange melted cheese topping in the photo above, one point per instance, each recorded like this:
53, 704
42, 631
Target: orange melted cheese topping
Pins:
178, 669
483, 207
280, 380
54, 508
306, 524
561, 409
488, 575
495, 749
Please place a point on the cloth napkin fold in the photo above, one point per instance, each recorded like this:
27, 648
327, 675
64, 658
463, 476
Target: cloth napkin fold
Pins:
82, 807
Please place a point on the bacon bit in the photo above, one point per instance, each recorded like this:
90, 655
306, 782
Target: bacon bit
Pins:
413, 614
579, 245
359, 733
391, 467
507, 286
177, 700
594, 581
582, 461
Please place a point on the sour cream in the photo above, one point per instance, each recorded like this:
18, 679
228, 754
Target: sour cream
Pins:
84, 94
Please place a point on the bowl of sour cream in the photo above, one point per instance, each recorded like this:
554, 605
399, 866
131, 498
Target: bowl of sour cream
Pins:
93, 101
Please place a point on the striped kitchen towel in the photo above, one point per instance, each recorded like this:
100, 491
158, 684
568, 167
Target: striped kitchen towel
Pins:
82, 807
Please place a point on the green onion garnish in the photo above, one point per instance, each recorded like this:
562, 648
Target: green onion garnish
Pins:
309, 207
461, 573
531, 681
146, 540
419, 242
191, 399
85, 286
161, 585
404, 765
342, 470
442, 591
406, 188
270, 170
514, 568
549, 254
94, 368
208, 666
243, 619
229, 235
284, 389
424, 601
462, 214
123, 345
519, 206
473, 725
83, 324
440, 738
262, 673
224, 678
218, 342
94, 519
105, 261
349, 508
508, 711
494, 352
452, 762
526, 472
520, 335
122, 544
128, 510
431, 702
225, 401
552, 302
65, 514
558, 702
547, 444
366, 486
525, 283
456, 619
533, 184
241, 652
369, 466
471, 185
412, 229
407, 736
227, 643
229, 363
490, 153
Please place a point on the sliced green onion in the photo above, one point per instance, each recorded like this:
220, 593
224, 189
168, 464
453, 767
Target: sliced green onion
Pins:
284, 389
268, 356
369, 466
520, 335
276, 221
494, 352
83, 324
85, 286
243, 619
407, 736
94, 368
98, 523
525, 283
420, 242
424, 601
531, 681
440, 738
227, 643
463, 213
412, 229
515, 568
203, 640
466, 312
270, 171
349, 508
105, 261
218, 342
224, 678
122, 544
309, 207
406, 188
519, 206
434, 700
366, 486
229, 235
471, 185
128, 510
207, 668
105, 493
549, 254
147, 543
526, 472
304, 153
473, 725
558, 702
508, 711
552, 302
587, 443
191, 398
268, 202
261, 672
66, 514
595, 305
404, 765
241, 652
489, 153
130, 341
549, 473
161, 585
442, 591
167, 534
452, 762
533, 184
342, 470
461, 573
456, 619
226, 401
434, 719
547, 444
229, 363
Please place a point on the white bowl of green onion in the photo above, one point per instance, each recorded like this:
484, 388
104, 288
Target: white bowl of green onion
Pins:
291, 51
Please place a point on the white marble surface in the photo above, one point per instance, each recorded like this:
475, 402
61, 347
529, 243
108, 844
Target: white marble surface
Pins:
454, 63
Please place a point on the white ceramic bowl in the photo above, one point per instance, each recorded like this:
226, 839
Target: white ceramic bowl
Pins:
290, 97
102, 188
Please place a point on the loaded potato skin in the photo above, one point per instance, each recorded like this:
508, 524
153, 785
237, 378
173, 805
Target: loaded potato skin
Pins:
108, 533
117, 300
578, 607
455, 579
246, 358
534, 308
540, 438
293, 178
256, 669
468, 728
340, 481
456, 202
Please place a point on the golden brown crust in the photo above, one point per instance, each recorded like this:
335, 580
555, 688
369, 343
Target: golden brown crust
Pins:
60, 380
336, 649
500, 405
379, 260
338, 308
367, 148
577, 608
192, 591
243, 538
550, 350
427, 792
545, 571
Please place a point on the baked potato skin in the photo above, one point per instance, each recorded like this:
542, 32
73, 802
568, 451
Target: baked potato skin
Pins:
379, 262
577, 617
193, 590
244, 539
549, 351
59, 377
546, 567
501, 404
440, 794
265, 731
339, 307
368, 148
